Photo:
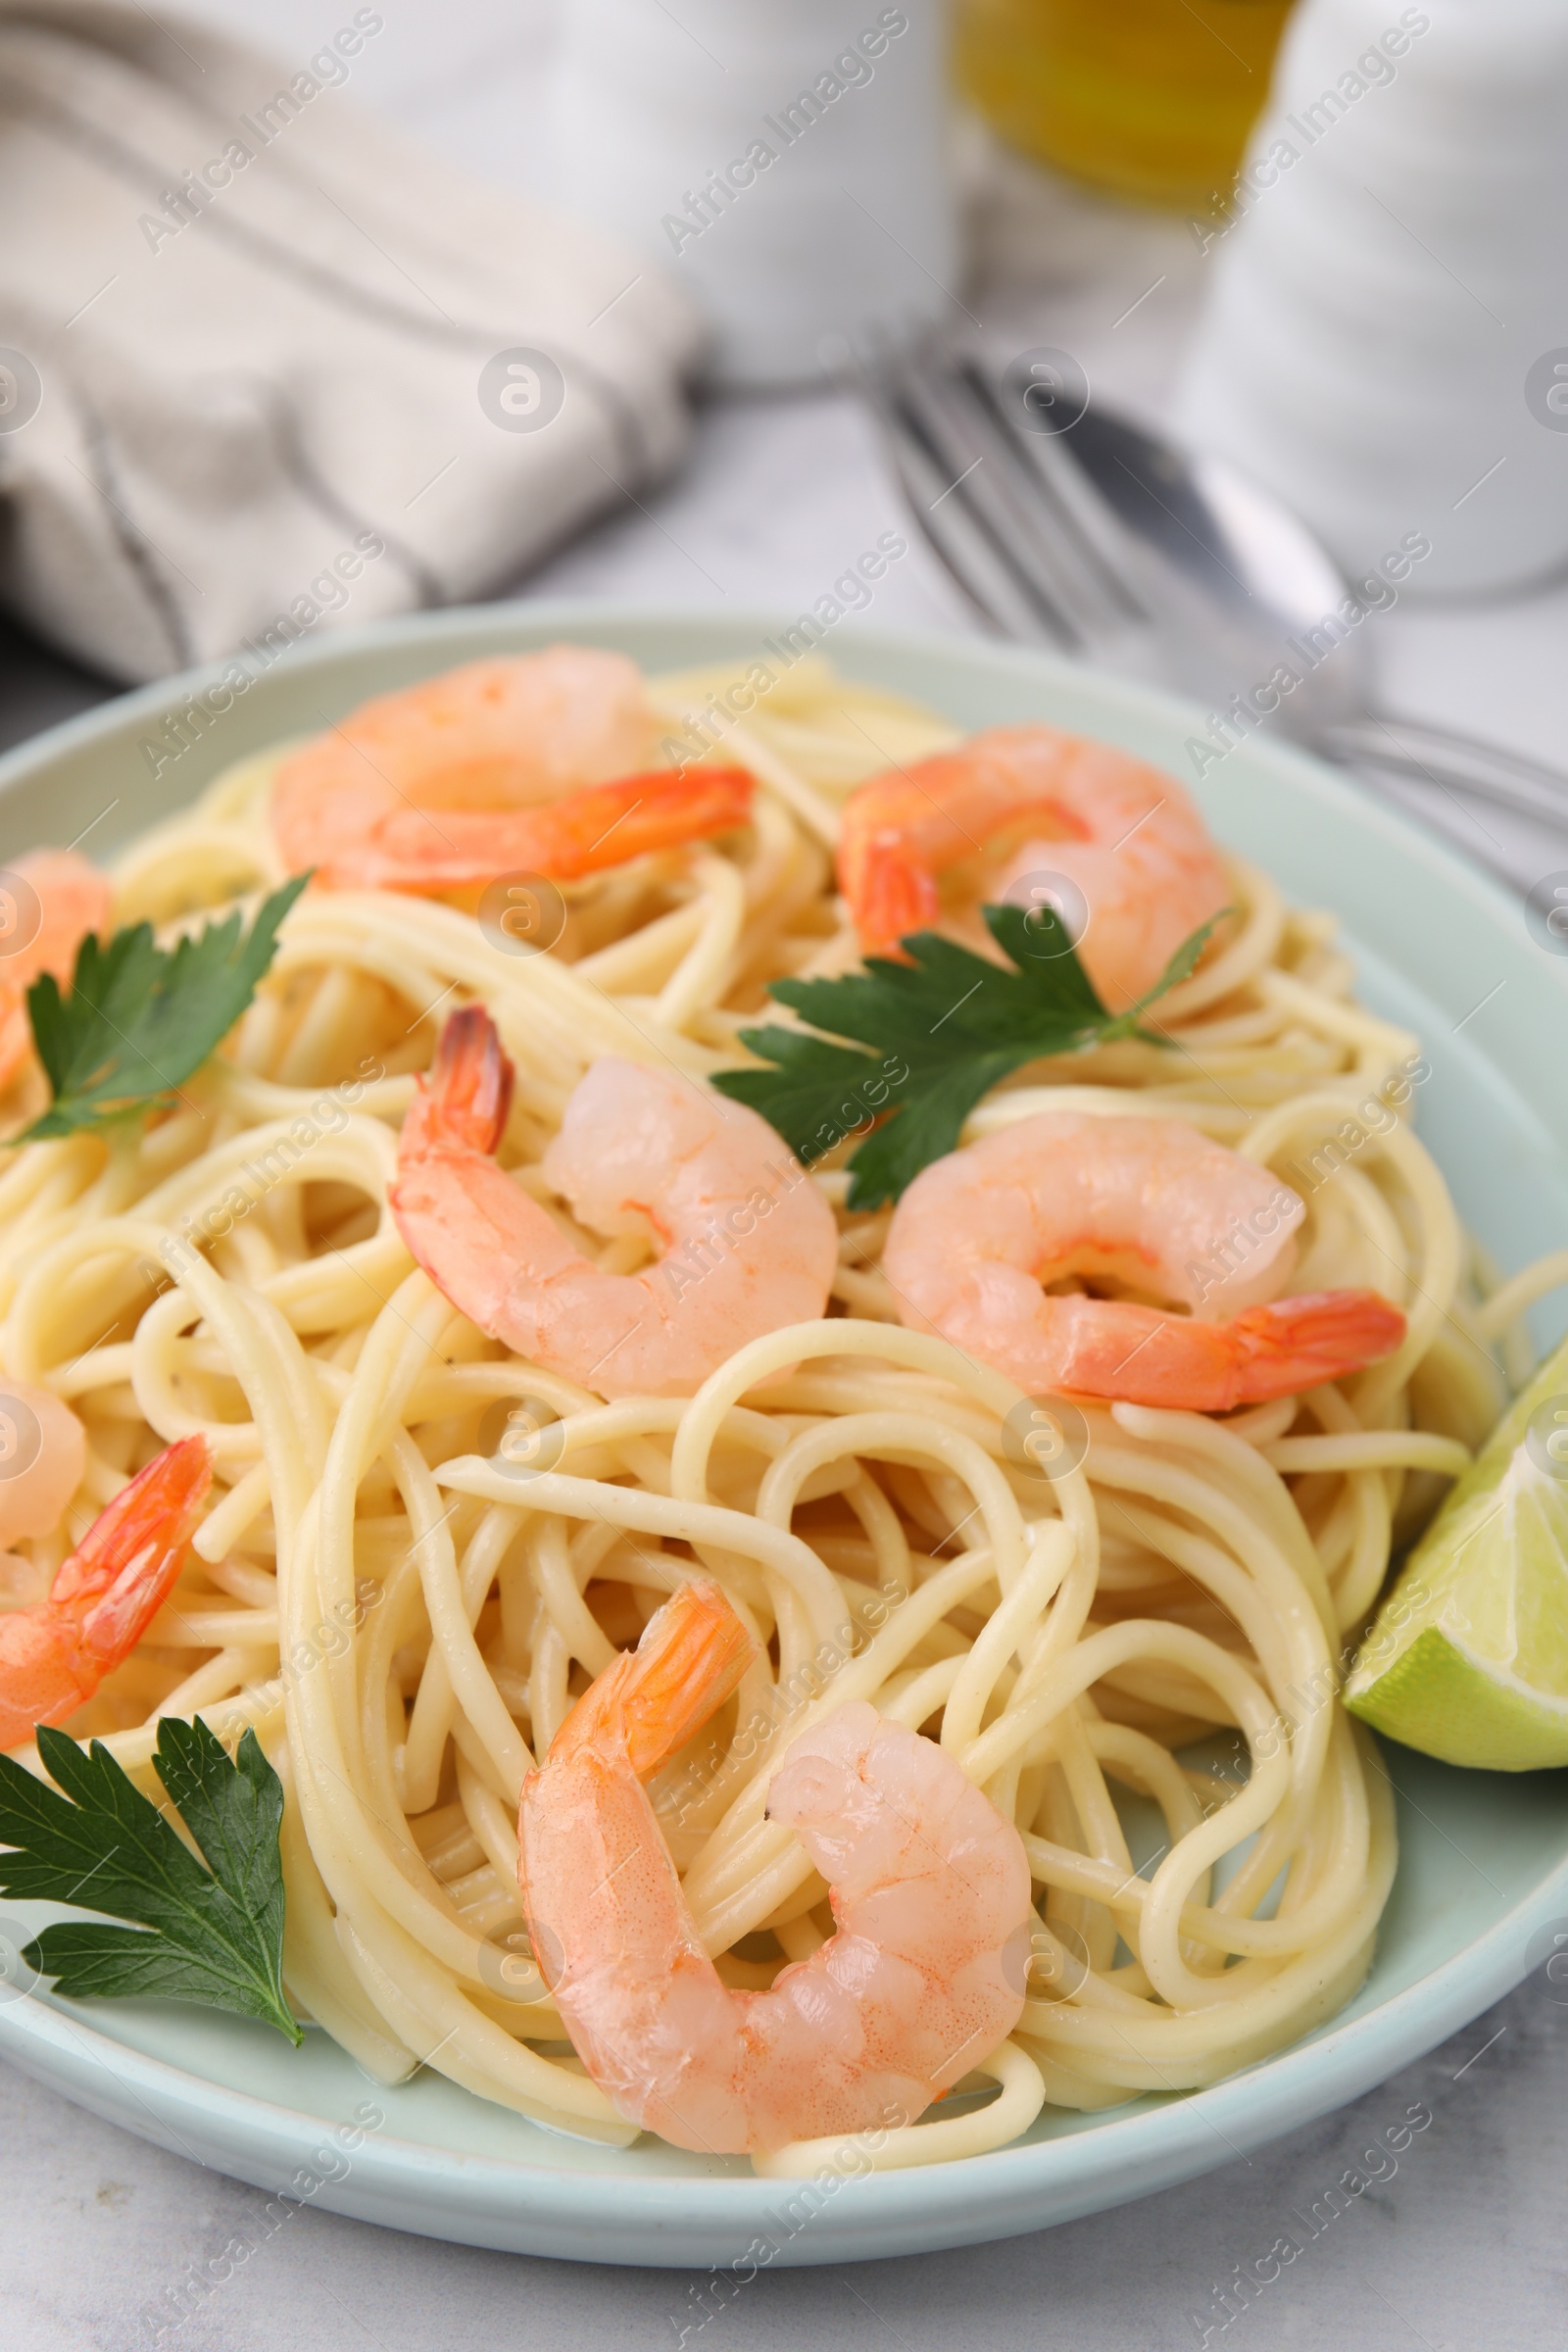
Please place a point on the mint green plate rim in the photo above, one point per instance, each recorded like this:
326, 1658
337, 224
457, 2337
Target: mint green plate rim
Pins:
1438, 943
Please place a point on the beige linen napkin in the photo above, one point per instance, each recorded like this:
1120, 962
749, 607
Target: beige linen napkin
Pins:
267, 367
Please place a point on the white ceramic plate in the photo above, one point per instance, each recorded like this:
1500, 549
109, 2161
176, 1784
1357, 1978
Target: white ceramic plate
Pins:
1484, 1858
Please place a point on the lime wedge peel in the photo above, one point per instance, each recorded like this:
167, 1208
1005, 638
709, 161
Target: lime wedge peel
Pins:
1468, 1656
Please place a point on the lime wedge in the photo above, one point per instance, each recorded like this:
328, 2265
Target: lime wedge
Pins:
1468, 1656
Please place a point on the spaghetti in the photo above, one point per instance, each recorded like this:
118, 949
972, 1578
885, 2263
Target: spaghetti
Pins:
422, 1548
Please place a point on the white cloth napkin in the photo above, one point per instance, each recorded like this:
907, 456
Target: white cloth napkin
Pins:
267, 367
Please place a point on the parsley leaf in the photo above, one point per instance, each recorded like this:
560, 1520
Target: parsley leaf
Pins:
217, 1934
943, 1029
141, 1019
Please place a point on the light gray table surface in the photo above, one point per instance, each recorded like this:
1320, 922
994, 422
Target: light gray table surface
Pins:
1463, 2247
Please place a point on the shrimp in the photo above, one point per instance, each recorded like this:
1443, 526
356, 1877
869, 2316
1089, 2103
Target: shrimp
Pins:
74, 898
1126, 834
749, 1244
538, 763
54, 1655
930, 1892
1155, 1205
43, 1453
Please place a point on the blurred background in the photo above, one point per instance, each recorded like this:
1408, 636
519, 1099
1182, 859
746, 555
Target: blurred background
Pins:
596, 298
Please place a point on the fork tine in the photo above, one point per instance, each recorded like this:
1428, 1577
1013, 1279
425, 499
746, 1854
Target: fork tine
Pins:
984, 476
1030, 542
964, 551
1081, 518
986, 572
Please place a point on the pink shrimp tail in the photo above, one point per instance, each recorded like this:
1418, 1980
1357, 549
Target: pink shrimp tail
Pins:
892, 896
54, 1655
118, 1577
656, 1698
464, 1100
1298, 1344
341, 829
601, 826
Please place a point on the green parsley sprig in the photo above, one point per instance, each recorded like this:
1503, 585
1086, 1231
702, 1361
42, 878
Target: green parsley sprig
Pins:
942, 1030
212, 1934
141, 1019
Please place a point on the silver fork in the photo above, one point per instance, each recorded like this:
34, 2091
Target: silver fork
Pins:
1067, 525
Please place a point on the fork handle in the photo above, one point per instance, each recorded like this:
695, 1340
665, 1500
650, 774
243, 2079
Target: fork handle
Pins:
1415, 749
